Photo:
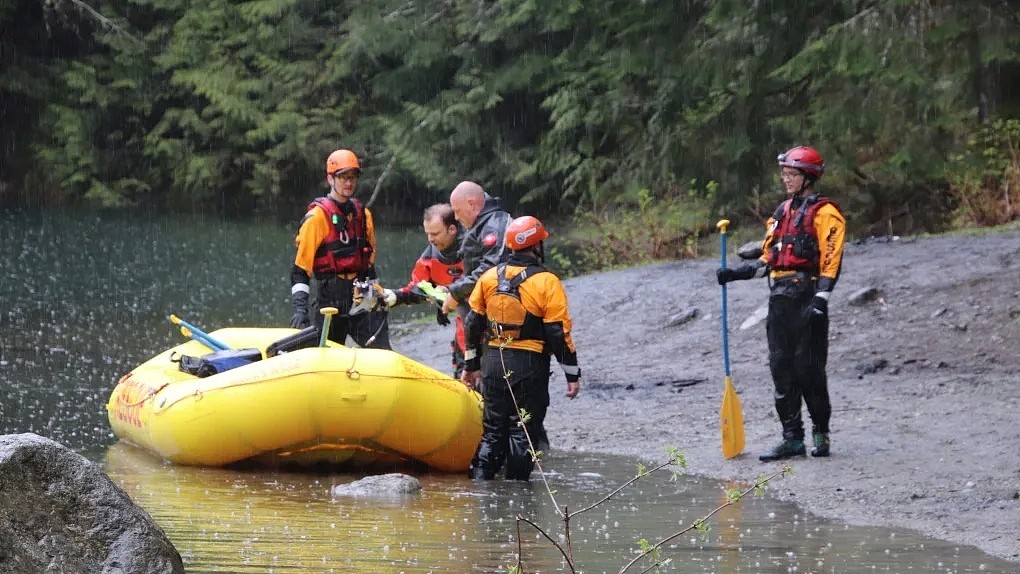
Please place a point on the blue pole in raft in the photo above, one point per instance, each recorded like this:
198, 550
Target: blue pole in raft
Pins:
199, 335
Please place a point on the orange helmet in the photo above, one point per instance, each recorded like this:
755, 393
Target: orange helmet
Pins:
342, 160
806, 159
525, 232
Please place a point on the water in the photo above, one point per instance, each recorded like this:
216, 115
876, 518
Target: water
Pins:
84, 298
227, 521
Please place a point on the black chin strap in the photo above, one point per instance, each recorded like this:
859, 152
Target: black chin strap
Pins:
525, 257
806, 201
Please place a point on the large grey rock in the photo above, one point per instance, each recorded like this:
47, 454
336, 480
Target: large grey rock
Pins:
750, 250
384, 485
59, 513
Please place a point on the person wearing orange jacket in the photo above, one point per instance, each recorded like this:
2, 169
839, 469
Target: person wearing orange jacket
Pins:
336, 245
520, 309
802, 254
440, 264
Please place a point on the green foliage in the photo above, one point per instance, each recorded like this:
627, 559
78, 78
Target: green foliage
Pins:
653, 554
639, 227
984, 179
563, 105
886, 87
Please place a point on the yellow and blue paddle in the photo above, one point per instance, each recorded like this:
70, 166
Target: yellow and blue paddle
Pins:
731, 416
189, 330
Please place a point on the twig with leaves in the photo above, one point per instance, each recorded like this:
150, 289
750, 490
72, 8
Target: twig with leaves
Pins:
675, 463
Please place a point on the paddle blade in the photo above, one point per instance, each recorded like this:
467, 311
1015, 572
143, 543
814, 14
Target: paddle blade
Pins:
731, 421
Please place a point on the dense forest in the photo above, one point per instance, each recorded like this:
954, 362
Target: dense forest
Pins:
665, 113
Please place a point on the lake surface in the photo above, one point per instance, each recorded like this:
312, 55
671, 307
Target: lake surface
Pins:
85, 297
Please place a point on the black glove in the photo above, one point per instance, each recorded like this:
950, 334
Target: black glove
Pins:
300, 319
726, 274
818, 307
441, 317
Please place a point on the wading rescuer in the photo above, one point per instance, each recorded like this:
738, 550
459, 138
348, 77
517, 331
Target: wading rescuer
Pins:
520, 309
802, 254
336, 245
440, 264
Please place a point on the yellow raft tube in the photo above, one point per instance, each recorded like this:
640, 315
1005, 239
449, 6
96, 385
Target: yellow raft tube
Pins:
333, 405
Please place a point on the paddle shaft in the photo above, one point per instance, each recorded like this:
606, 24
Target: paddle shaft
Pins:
731, 416
725, 329
199, 335
187, 333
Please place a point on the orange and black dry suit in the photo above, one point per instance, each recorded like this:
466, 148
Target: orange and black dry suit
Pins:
439, 267
336, 245
520, 309
803, 253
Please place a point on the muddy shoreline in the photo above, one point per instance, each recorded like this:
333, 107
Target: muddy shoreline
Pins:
924, 383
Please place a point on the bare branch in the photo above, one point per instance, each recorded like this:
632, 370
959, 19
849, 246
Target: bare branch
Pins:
761, 482
636, 478
570, 562
382, 178
106, 22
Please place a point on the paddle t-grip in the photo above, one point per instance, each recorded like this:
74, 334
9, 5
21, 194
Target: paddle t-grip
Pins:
327, 313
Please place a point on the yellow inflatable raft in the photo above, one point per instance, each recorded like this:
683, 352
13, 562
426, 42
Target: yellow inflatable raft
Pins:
334, 405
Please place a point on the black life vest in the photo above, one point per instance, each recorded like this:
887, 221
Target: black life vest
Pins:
507, 316
346, 248
796, 243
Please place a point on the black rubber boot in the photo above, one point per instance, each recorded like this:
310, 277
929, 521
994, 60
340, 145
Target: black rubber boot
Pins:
787, 449
821, 440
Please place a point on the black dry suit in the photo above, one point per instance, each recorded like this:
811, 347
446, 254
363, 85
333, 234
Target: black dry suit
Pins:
798, 341
516, 364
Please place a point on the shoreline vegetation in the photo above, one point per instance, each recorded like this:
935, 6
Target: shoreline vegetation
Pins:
659, 109
908, 370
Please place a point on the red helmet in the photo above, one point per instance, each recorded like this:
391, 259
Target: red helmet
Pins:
806, 159
525, 232
342, 160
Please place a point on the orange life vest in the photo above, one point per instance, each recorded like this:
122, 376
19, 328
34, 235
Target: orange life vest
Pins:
506, 315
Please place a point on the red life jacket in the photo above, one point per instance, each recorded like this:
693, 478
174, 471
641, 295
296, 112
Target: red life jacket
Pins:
346, 248
796, 244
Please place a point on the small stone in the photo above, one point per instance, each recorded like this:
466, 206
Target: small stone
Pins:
863, 296
685, 316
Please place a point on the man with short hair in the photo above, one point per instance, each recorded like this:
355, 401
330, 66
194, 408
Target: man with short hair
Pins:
336, 244
440, 264
483, 245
